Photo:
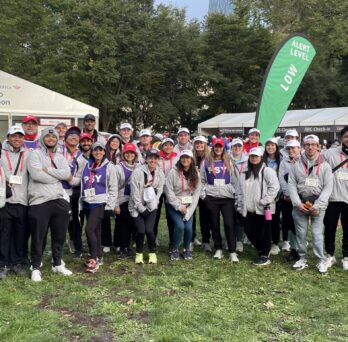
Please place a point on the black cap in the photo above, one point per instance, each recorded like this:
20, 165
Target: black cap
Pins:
89, 117
73, 130
152, 152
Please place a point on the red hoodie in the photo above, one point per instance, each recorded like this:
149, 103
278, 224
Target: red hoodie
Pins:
247, 146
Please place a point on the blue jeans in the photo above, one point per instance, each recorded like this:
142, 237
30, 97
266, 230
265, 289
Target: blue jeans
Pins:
181, 228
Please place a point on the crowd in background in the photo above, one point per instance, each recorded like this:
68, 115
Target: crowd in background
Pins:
66, 179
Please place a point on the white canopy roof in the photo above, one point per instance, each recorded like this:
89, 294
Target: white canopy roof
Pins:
292, 119
18, 96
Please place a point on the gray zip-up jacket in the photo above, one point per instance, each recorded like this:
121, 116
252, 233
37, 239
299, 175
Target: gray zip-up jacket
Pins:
44, 187
121, 181
238, 167
19, 191
284, 170
335, 156
167, 164
297, 182
136, 202
2, 187
226, 191
178, 148
270, 188
175, 183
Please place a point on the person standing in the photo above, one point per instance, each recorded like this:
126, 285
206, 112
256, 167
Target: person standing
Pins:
253, 140
30, 127
61, 129
48, 202
98, 197
338, 201
144, 144
89, 122
290, 134
126, 132
310, 186
147, 183
257, 189
3, 225
183, 140
182, 191
218, 194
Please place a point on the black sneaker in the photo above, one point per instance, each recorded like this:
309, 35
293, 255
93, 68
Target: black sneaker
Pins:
3, 272
187, 254
123, 254
174, 255
19, 269
262, 261
77, 255
293, 256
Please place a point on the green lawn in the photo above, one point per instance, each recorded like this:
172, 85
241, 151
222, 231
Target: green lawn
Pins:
198, 300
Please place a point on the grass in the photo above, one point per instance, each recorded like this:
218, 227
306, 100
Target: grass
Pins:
198, 300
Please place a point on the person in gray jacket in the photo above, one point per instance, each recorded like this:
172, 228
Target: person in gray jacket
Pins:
48, 202
310, 186
14, 243
257, 190
147, 183
182, 191
338, 201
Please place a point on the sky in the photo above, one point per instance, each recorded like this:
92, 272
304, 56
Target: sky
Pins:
195, 9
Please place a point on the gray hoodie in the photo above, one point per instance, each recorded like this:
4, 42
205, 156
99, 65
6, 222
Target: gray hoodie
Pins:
175, 183
121, 181
136, 202
2, 188
321, 176
46, 186
178, 148
284, 170
19, 191
238, 167
270, 188
335, 156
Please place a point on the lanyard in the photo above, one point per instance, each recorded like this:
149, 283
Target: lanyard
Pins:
164, 165
341, 157
51, 154
183, 183
223, 170
20, 160
308, 172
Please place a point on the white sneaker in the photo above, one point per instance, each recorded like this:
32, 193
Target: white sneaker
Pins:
286, 246
322, 266
62, 270
119, 248
234, 257
61, 262
191, 246
36, 275
330, 260
345, 263
239, 247
106, 249
274, 249
300, 265
218, 254
197, 242
71, 246
206, 247
246, 241
31, 267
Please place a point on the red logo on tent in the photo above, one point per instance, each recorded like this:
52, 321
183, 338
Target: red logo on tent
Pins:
17, 87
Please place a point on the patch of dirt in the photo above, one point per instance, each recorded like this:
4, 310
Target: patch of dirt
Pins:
142, 316
45, 302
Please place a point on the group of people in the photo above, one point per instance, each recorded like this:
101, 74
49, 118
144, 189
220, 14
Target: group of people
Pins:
66, 178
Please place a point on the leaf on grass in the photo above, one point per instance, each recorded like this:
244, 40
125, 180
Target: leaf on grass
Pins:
130, 301
269, 305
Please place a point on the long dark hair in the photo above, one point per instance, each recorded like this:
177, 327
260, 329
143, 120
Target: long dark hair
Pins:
191, 175
113, 157
277, 156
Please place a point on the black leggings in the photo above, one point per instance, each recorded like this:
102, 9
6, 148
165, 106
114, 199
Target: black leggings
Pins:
259, 233
288, 224
145, 226
93, 231
75, 228
125, 227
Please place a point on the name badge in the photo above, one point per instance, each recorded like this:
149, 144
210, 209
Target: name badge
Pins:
342, 176
312, 182
89, 193
219, 182
186, 200
15, 179
2, 192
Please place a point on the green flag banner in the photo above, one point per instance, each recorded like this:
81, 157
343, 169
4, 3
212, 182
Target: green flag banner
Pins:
283, 76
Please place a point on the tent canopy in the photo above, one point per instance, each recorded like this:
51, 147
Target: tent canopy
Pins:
18, 96
330, 119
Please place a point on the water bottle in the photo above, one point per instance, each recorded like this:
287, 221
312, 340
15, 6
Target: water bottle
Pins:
268, 213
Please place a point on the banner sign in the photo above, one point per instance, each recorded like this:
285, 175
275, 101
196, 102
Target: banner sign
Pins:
283, 76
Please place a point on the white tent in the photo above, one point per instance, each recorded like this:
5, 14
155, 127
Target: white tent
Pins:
322, 120
19, 98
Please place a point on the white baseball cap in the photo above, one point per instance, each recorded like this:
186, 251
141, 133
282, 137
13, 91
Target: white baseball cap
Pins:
186, 153
272, 140
145, 132
256, 151
293, 143
254, 130
183, 130
15, 129
166, 140
126, 125
237, 141
200, 138
291, 133
310, 137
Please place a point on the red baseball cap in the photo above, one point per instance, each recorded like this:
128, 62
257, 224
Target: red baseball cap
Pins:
85, 136
129, 147
218, 141
30, 118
